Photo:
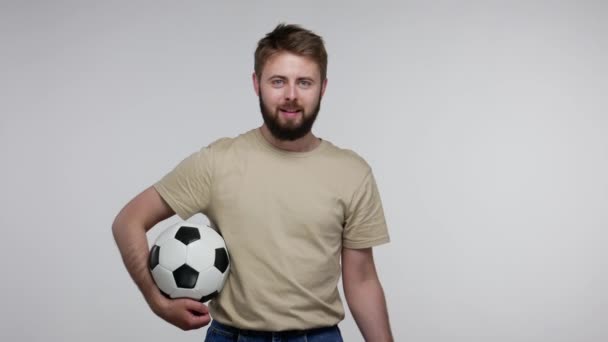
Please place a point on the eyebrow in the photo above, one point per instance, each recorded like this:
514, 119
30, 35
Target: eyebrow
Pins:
276, 76
304, 78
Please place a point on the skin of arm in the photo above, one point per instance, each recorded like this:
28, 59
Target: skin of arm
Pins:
129, 230
364, 294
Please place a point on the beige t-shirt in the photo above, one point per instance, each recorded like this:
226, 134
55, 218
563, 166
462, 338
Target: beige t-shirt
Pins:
285, 217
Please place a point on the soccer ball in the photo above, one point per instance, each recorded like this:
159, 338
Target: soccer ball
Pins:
189, 260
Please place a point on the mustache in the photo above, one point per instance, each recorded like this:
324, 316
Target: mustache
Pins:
291, 106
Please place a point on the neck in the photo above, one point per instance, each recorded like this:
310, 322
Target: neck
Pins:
304, 144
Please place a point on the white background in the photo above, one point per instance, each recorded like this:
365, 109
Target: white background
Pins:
485, 123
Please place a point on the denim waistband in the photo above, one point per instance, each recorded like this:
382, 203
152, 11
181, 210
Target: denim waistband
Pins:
229, 330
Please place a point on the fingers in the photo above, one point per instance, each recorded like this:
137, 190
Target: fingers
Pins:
187, 314
196, 307
197, 314
197, 322
191, 322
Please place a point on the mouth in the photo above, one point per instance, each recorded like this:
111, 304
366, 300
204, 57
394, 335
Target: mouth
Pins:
290, 112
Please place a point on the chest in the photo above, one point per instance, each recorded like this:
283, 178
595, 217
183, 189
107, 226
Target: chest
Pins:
282, 200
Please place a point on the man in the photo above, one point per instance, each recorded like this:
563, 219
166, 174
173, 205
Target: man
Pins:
289, 206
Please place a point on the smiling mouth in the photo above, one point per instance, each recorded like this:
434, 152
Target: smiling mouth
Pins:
290, 112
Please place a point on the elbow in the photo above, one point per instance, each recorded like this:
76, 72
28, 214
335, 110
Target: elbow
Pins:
354, 284
120, 225
116, 228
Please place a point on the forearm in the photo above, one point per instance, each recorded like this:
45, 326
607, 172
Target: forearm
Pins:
368, 306
133, 246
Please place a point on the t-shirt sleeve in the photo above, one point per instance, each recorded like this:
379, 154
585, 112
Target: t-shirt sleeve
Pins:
187, 188
365, 224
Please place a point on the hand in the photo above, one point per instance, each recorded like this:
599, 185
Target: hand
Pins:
184, 313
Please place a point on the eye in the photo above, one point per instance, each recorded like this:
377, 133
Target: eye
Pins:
277, 82
305, 83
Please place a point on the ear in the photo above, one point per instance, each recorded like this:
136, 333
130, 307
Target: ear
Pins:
256, 85
323, 86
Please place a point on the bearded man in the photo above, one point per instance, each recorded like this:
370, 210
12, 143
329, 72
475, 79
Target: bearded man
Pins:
296, 213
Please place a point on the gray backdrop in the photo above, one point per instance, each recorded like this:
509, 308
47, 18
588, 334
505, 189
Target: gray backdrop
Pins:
484, 121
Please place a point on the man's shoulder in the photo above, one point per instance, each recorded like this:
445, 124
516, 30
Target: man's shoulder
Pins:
221, 143
348, 157
225, 143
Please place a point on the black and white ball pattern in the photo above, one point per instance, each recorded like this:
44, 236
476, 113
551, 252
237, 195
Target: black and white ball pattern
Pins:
190, 260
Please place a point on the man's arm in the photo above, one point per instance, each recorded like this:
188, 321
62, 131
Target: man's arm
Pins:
364, 294
129, 230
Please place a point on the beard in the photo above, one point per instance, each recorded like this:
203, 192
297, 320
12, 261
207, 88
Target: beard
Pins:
288, 132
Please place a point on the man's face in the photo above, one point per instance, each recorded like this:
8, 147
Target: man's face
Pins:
290, 91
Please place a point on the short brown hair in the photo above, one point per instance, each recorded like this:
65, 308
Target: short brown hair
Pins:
294, 39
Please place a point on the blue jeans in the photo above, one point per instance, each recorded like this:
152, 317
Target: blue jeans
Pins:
218, 332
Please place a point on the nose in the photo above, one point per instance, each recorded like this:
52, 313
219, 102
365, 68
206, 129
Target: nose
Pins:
291, 92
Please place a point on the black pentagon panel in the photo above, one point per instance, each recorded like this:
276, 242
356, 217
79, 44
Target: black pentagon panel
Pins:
187, 234
154, 253
221, 259
208, 297
185, 277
